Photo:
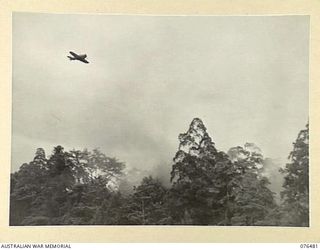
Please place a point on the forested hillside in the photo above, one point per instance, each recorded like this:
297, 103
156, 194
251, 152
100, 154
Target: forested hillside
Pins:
207, 187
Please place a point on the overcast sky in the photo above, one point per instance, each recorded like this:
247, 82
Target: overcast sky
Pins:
148, 77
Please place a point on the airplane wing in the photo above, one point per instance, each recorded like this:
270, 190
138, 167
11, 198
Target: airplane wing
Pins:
83, 60
74, 54
83, 56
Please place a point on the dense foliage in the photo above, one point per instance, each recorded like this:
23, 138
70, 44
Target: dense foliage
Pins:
208, 187
295, 195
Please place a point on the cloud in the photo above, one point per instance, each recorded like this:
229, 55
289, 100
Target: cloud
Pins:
147, 79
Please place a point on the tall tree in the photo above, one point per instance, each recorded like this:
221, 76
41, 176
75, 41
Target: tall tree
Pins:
200, 179
146, 205
252, 197
26, 194
295, 195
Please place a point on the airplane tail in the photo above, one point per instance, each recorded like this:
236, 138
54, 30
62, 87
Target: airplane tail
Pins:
71, 58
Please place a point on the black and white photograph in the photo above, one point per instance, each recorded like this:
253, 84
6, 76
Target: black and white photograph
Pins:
160, 120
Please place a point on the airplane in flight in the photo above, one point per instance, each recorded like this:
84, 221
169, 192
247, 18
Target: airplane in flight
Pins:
81, 58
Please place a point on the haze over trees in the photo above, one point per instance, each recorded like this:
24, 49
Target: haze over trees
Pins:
207, 187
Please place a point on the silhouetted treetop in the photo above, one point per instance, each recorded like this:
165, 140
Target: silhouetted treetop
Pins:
195, 142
